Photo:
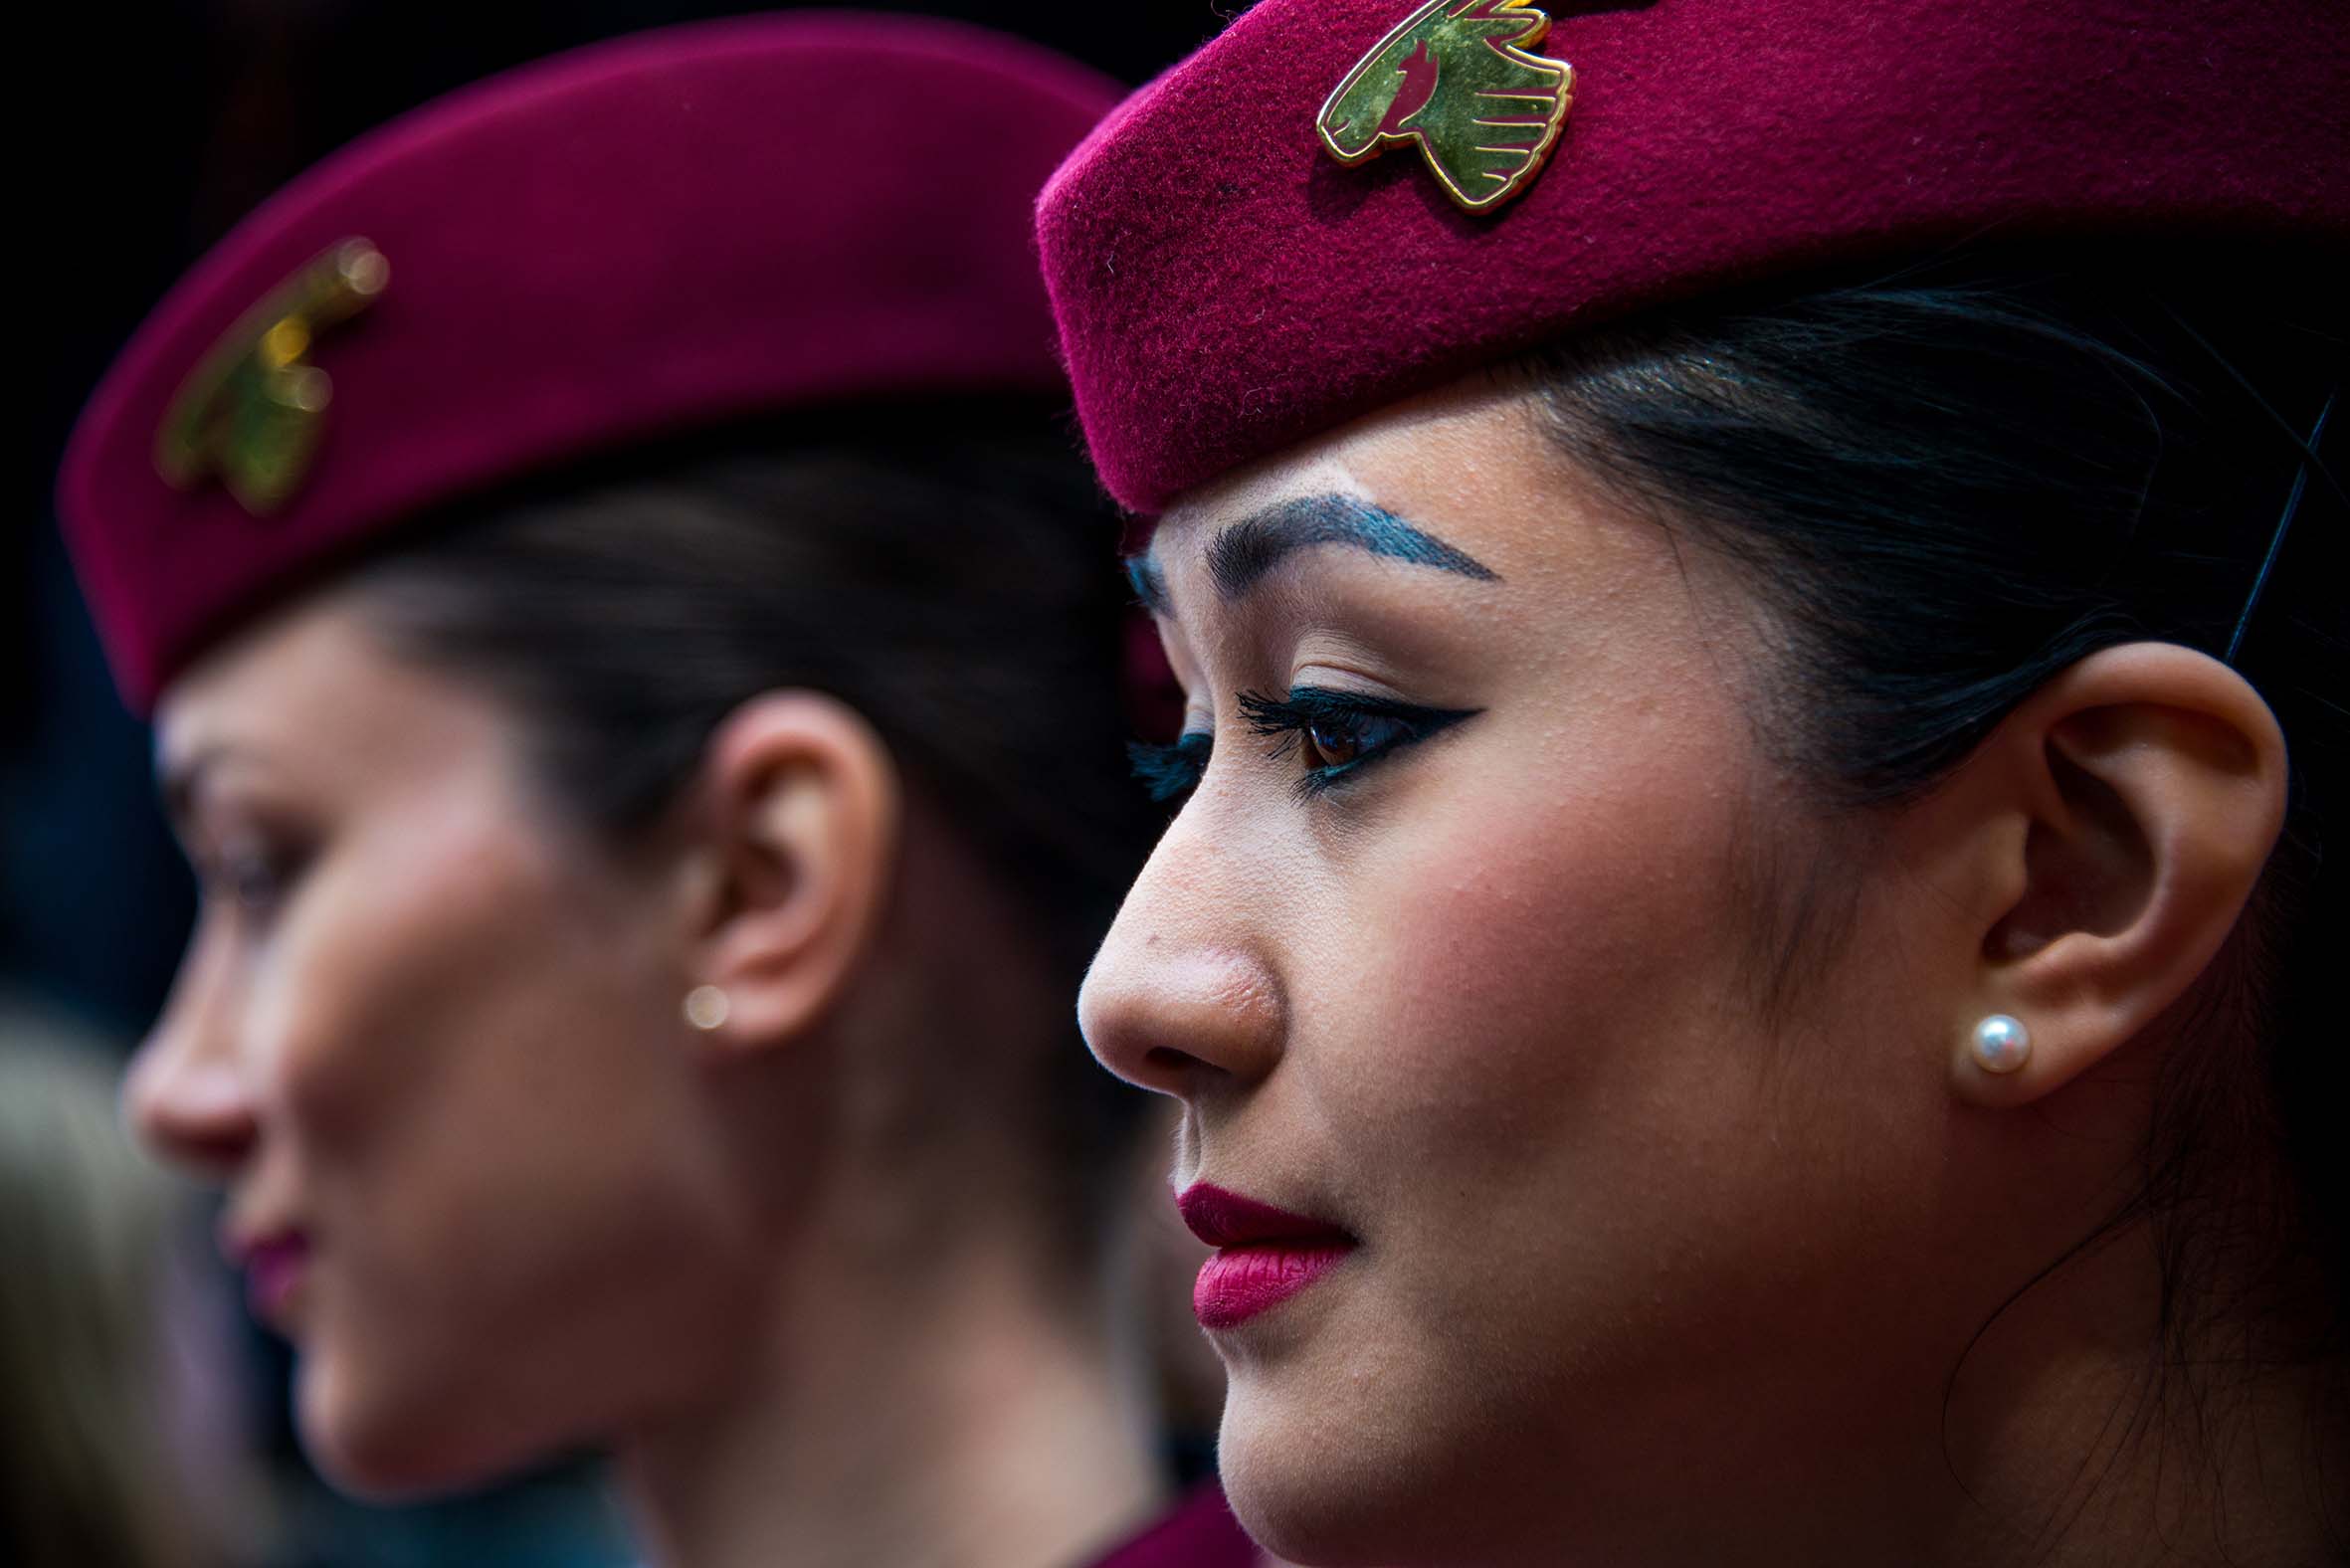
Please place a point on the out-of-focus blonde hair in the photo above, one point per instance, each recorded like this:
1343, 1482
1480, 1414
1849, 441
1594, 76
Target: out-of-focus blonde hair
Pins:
86, 1480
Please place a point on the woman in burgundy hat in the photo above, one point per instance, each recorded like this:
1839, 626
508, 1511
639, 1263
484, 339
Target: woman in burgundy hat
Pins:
1747, 946
617, 609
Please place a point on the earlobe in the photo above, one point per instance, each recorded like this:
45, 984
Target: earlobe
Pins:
801, 827
2149, 782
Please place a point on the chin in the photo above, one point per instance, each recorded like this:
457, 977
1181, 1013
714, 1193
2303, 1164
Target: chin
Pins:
1317, 1487
1364, 1464
376, 1446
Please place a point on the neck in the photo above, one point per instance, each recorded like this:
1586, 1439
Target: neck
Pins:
2084, 1441
957, 1418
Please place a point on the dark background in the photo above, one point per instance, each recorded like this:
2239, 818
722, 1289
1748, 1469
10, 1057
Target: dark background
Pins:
152, 130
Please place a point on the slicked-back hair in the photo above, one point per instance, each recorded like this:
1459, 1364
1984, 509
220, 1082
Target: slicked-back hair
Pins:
947, 569
1941, 487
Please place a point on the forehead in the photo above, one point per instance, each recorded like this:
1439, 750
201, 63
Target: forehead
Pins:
312, 687
1575, 573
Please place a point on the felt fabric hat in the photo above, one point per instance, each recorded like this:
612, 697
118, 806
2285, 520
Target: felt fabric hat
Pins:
673, 229
1338, 203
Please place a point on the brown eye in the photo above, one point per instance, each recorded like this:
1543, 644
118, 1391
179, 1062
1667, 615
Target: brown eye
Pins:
250, 875
1332, 734
251, 879
1332, 745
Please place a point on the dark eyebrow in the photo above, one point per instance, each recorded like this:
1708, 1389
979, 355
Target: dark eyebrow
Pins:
1250, 548
1148, 582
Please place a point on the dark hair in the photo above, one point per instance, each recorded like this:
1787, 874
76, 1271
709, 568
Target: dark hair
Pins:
945, 570
1945, 486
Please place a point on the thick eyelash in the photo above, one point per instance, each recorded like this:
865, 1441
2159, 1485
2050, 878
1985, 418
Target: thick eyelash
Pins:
1308, 707
1169, 771
253, 881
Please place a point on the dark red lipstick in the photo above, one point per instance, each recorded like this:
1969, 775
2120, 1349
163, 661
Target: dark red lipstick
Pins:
1264, 1255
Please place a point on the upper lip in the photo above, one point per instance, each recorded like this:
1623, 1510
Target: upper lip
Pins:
243, 1244
1223, 1218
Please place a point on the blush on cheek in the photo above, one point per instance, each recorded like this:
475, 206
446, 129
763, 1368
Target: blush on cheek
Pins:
1516, 947
438, 1048
408, 931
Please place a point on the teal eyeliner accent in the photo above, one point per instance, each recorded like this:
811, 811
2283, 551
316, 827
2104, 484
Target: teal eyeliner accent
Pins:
1148, 582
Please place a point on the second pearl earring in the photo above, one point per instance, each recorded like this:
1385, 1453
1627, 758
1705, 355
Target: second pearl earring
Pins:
2001, 1044
707, 1007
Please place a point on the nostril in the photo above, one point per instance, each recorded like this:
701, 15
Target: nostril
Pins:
1164, 1062
209, 1153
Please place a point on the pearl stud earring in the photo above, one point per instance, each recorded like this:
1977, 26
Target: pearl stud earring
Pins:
707, 1007
2001, 1044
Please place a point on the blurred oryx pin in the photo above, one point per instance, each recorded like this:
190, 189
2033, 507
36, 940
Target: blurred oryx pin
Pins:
252, 410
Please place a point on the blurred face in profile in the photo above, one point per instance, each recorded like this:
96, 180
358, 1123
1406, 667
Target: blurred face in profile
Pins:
1536, 1215
430, 1037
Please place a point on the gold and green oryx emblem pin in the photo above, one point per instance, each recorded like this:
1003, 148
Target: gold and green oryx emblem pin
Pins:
253, 409
1458, 77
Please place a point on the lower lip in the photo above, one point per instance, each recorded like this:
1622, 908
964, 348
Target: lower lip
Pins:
1241, 1283
272, 1273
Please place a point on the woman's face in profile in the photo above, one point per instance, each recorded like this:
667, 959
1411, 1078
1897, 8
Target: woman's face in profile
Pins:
1460, 954
430, 1038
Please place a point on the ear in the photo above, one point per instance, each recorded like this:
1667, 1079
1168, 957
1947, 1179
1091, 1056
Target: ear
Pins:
800, 830
2128, 808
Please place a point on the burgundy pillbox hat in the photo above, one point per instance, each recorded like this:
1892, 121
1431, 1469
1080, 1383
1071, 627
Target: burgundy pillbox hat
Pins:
1242, 254
669, 231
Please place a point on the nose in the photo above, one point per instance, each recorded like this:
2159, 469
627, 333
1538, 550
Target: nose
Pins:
1181, 998
186, 1095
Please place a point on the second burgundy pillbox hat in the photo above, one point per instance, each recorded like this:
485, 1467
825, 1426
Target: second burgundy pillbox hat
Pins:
1341, 202
669, 231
